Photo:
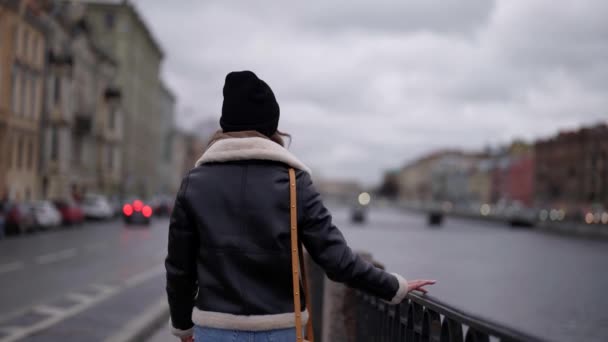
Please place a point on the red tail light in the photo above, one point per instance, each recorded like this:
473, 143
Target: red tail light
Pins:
127, 209
138, 205
147, 211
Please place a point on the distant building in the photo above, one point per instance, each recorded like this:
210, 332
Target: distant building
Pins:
480, 181
82, 124
415, 182
178, 159
166, 125
340, 190
22, 59
572, 168
121, 31
450, 177
520, 180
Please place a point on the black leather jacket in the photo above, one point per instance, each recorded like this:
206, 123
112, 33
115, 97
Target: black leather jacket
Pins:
229, 242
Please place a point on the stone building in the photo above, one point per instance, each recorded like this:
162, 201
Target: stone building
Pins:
82, 124
572, 168
22, 47
167, 132
415, 183
121, 31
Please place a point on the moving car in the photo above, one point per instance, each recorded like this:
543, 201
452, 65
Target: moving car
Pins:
70, 212
359, 210
136, 212
46, 215
97, 207
19, 219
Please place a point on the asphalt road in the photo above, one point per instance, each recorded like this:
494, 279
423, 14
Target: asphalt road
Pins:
52, 276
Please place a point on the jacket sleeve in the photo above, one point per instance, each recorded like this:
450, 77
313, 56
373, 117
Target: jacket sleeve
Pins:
328, 248
181, 265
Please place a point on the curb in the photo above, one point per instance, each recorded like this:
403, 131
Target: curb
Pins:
144, 326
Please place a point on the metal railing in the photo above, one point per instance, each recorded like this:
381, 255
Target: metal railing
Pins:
424, 318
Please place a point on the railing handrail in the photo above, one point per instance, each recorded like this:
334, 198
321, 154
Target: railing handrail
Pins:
478, 323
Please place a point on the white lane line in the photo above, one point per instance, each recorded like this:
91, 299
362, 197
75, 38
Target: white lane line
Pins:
56, 318
154, 313
13, 266
56, 256
145, 275
79, 297
94, 247
49, 310
57, 315
103, 288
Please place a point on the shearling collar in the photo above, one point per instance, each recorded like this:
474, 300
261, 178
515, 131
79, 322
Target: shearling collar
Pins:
247, 149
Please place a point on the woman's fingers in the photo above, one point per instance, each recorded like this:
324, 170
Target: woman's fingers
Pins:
418, 285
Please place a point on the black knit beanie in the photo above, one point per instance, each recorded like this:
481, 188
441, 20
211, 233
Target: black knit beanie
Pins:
249, 104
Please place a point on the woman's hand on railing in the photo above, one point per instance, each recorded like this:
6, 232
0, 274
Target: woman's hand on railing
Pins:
418, 285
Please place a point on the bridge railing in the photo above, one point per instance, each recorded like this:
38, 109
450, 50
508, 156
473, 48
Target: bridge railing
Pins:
423, 318
342, 314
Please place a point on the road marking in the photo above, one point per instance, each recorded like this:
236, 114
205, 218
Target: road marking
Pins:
13, 266
56, 256
143, 276
151, 317
94, 247
55, 318
49, 310
103, 288
79, 297
84, 302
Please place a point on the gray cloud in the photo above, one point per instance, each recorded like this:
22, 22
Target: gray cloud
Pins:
364, 85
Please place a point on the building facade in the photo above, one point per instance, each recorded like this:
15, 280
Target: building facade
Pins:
22, 63
166, 126
120, 30
572, 168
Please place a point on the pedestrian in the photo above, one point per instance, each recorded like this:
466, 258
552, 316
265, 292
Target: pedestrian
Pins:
229, 270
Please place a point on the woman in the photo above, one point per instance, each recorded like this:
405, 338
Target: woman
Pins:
229, 263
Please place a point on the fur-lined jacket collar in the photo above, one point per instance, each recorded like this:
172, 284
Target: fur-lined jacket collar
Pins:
249, 148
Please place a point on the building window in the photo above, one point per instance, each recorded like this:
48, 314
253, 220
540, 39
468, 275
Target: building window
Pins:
30, 156
54, 144
16, 80
109, 20
110, 156
10, 153
34, 50
23, 94
25, 44
112, 118
19, 152
57, 89
33, 99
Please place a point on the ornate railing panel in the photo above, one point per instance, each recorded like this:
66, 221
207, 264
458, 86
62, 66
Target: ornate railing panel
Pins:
424, 318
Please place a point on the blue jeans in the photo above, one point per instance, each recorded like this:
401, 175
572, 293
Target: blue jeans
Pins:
202, 334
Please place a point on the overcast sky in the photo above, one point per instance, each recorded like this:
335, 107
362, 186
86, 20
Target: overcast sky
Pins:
364, 86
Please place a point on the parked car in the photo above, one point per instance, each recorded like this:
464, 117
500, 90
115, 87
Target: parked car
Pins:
2, 220
97, 207
71, 213
137, 211
46, 215
20, 219
162, 205
116, 205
